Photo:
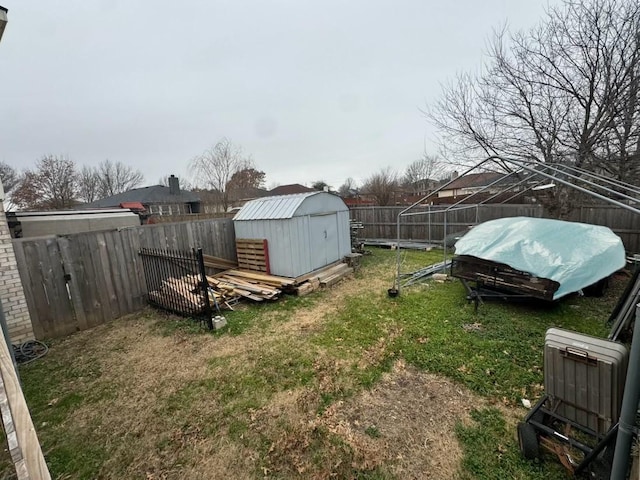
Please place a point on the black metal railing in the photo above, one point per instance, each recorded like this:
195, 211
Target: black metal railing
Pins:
177, 282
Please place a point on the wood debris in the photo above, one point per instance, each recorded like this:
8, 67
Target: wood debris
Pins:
227, 287
324, 277
178, 292
218, 263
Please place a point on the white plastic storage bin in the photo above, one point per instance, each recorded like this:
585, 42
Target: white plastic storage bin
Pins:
584, 377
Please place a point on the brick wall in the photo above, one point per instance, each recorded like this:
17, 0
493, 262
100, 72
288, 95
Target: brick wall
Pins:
14, 304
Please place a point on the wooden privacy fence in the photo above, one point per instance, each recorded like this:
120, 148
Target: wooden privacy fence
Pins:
79, 281
380, 222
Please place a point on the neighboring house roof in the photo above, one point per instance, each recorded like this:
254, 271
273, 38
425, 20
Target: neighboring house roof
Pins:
132, 205
146, 195
472, 180
358, 201
290, 189
247, 193
288, 206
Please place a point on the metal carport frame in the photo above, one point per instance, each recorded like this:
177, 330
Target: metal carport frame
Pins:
596, 186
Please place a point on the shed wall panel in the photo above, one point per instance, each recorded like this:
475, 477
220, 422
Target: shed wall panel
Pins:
344, 233
320, 204
317, 235
288, 243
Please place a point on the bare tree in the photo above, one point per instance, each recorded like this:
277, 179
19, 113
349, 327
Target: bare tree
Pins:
216, 166
422, 174
10, 180
116, 177
52, 185
565, 91
382, 186
9, 177
347, 188
88, 184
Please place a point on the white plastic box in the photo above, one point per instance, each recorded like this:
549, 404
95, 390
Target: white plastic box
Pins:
584, 377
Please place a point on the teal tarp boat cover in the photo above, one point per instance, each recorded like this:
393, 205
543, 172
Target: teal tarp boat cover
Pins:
575, 255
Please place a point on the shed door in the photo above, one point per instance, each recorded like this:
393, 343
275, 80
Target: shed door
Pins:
324, 240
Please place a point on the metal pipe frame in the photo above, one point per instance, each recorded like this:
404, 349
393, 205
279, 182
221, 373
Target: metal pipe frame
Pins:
539, 170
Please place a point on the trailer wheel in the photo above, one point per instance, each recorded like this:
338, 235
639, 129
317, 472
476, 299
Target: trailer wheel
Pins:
528, 441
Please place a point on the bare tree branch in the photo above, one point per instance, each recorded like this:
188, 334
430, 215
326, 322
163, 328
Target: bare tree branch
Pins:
382, 186
116, 177
216, 166
565, 91
52, 185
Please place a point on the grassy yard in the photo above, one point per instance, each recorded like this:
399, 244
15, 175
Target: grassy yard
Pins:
343, 383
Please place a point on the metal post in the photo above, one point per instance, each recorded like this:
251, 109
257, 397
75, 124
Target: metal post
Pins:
622, 452
397, 282
444, 239
205, 289
429, 216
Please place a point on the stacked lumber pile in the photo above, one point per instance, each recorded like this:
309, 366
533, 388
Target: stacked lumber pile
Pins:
323, 277
179, 293
218, 263
252, 285
229, 286
334, 274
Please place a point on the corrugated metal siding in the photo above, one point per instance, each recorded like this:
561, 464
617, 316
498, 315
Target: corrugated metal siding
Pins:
288, 241
322, 203
288, 206
293, 250
271, 208
344, 233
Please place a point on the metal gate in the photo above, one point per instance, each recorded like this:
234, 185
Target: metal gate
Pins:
177, 282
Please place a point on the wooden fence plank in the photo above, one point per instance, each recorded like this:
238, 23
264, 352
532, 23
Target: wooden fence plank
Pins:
115, 260
106, 275
71, 267
381, 222
98, 279
50, 266
21, 434
28, 275
89, 289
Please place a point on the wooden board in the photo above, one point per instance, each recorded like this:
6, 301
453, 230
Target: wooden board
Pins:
253, 254
502, 277
22, 440
264, 278
315, 273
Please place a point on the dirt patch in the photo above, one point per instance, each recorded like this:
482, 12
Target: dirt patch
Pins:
404, 426
308, 319
408, 419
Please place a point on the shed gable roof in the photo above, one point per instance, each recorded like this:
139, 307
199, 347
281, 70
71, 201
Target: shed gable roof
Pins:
284, 206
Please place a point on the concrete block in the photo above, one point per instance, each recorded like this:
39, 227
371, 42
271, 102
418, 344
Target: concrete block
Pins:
219, 322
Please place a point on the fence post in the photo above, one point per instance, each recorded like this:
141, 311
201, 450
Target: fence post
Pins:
204, 284
22, 440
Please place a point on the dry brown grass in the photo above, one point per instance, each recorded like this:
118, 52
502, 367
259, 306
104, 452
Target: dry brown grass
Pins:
167, 411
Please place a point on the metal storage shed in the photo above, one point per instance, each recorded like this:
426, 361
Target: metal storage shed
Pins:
304, 231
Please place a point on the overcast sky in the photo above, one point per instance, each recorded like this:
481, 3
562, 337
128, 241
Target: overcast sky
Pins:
310, 89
